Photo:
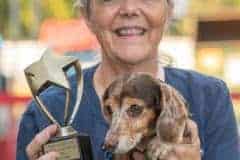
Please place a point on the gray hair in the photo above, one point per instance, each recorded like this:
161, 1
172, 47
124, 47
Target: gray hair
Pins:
81, 3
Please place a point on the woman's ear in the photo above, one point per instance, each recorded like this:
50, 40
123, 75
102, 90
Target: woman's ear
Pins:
83, 11
170, 3
170, 7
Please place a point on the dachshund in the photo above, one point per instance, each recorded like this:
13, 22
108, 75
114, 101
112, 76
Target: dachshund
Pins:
145, 115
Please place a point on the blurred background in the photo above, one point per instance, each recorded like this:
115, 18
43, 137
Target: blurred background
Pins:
203, 36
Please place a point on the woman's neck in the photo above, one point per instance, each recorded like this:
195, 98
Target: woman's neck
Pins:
116, 69
108, 71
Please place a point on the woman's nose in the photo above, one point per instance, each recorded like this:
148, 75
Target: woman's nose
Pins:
129, 8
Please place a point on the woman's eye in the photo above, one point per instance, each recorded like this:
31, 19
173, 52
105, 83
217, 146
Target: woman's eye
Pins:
109, 2
105, 1
134, 110
108, 110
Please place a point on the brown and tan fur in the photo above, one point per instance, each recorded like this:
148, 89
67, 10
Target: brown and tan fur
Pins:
144, 114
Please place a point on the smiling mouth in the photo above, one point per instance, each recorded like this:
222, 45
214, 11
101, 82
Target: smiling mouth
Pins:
130, 31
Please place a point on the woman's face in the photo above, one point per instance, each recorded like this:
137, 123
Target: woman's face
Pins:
129, 31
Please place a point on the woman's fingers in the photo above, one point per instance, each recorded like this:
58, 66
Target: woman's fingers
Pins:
193, 131
49, 156
189, 151
35, 146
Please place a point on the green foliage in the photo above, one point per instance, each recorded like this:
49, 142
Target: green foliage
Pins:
231, 2
26, 15
60, 9
3, 16
211, 6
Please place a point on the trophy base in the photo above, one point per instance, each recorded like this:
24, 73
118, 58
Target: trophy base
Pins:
73, 147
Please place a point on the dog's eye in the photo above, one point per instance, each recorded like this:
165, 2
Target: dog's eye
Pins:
108, 109
134, 110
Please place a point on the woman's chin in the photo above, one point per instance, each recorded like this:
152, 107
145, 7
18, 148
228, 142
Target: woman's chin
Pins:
133, 59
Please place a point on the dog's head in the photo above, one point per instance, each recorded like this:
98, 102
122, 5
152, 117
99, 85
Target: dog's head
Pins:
131, 105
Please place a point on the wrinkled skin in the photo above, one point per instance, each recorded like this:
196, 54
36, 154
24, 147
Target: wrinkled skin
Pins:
141, 23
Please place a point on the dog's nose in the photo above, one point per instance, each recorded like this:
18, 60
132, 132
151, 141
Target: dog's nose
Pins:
110, 146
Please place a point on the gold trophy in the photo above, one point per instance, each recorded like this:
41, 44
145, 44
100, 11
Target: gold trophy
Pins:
50, 70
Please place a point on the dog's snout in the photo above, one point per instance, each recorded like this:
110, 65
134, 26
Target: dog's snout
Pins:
110, 146
111, 142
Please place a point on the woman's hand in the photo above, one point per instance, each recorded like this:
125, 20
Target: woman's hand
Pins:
34, 149
189, 151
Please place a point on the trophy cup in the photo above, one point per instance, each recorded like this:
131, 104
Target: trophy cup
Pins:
50, 70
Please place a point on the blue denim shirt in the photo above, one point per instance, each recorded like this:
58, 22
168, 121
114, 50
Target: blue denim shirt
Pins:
210, 106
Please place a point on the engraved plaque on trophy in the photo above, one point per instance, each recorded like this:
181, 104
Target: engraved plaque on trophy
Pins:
50, 70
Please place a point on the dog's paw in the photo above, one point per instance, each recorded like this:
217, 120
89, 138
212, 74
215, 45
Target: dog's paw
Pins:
158, 150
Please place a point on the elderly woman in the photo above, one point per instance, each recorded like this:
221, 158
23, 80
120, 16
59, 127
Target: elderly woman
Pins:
129, 32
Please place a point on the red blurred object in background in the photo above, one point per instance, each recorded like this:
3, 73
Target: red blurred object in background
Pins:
235, 96
67, 35
10, 100
11, 108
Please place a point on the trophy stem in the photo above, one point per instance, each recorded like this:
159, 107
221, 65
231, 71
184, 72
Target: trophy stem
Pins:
67, 104
44, 110
79, 92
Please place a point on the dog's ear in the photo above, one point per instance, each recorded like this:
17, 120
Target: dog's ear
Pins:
114, 89
171, 121
111, 98
106, 108
172, 101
